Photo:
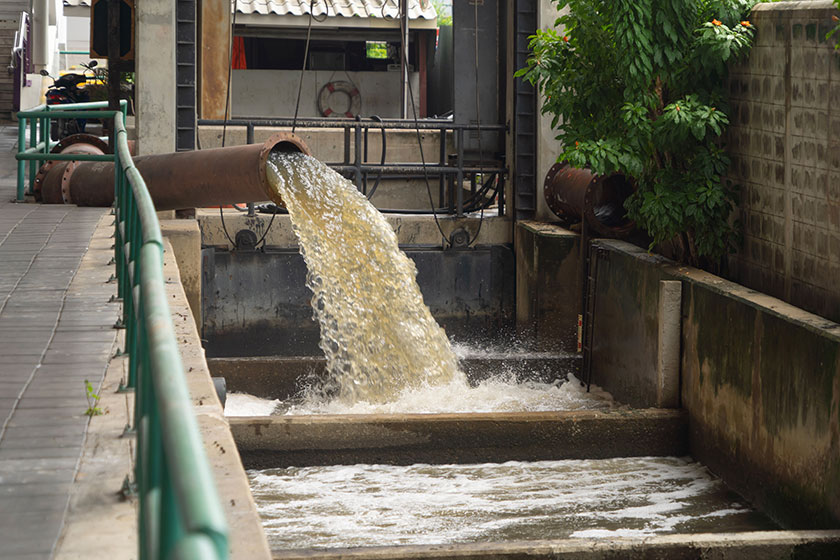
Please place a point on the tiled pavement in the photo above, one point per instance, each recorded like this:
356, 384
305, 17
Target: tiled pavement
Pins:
56, 331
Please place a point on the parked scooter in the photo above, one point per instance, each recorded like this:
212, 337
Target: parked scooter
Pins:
68, 88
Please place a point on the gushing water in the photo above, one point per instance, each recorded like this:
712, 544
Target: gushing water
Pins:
378, 336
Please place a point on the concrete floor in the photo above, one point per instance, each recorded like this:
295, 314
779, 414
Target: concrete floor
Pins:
56, 331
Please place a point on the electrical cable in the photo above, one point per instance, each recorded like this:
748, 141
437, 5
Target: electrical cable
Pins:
306, 55
477, 120
420, 146
382, 159
227, 109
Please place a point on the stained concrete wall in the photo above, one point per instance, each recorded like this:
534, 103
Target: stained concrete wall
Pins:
154, 38
547, 285
630, 349
256, 303
273, 93
784, 141
760, 379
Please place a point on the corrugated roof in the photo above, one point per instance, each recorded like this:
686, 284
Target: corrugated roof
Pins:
417, 9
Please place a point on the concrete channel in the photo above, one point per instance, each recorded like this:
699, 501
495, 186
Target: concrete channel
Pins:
404, 439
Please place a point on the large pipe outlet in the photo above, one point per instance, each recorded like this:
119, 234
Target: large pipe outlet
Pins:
579, 194
180, 180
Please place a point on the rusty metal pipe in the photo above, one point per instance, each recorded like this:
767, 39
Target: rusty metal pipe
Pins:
579, 194
180, 180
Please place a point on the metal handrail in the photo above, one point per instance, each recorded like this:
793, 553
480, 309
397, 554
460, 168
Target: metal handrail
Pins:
449, 171
180, 514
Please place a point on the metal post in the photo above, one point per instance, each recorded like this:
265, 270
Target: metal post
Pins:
404, 58
114, 7
459, 180
249, 135
358, 157
21, 166
442, 177
33, 141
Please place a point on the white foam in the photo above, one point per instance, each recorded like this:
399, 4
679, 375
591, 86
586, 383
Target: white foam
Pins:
371, 505
243, 404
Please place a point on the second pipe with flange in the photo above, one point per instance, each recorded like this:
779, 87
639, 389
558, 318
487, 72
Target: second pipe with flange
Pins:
193, 179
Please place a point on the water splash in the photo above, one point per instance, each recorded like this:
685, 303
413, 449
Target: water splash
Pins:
377, 334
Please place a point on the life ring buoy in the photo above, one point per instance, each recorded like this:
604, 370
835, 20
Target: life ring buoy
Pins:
344, 87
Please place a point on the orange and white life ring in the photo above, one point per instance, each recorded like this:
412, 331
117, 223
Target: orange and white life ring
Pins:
344, 87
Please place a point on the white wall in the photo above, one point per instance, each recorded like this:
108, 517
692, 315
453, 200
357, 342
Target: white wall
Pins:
273, 93
547, 147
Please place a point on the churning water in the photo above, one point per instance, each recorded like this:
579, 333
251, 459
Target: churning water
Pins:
367, 505
376, 333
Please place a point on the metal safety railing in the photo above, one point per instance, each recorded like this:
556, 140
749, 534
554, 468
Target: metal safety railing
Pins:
448, 169
180, 513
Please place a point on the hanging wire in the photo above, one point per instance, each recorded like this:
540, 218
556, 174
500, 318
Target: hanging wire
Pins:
477, 122
300, 89
227, 109
420, 145
306, 53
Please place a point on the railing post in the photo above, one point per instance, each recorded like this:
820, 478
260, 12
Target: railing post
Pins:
442, 176
21, 164
459, 180
33, 141
358, 157
249, 135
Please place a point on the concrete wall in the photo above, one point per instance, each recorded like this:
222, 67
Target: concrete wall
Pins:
785, 148
256, 303
154, 37
547, 147
760, 379
273, 93
547, 285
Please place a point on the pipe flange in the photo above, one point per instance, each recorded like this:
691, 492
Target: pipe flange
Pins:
65, 182
283, 142
39, 179
82, 144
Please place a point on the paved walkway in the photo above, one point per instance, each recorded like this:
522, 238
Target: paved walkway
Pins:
56, 331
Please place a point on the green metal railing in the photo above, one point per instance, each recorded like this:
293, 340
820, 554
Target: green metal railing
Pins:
180, 513
39, 120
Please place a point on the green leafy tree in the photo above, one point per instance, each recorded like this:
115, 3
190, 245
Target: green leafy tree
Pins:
836, 20
639, 87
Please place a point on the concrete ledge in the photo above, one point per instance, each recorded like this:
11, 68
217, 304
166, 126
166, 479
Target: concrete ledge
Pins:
418, 230
247, 539
403, 439
814, 8
185, 238
281, 377
775, 545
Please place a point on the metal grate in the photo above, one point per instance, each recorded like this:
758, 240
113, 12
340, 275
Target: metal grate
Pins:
185, 76
525, 116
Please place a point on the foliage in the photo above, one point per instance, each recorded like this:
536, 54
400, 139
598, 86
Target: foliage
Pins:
92, 400
444, 12
837, 27
638, 87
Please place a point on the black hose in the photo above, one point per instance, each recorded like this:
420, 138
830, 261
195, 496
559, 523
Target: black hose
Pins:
382, 159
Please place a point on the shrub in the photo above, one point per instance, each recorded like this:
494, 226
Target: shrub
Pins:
639, 87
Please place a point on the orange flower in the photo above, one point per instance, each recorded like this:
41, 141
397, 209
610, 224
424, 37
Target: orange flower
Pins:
566, 38
835, 18
577, 143
677, 107
746, 24
716, 22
